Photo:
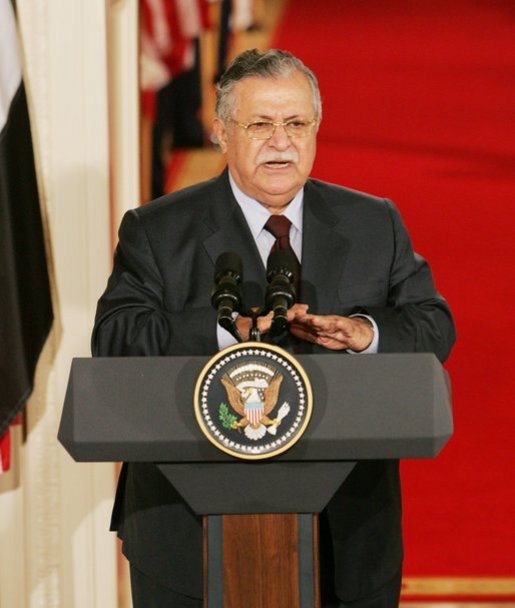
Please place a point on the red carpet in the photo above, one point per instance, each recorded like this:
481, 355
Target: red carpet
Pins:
419, 102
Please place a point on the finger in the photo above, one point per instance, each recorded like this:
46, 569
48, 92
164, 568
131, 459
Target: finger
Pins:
331, 344
297, 311
332, 325
299, 307
299, 331
264, 323
323, 322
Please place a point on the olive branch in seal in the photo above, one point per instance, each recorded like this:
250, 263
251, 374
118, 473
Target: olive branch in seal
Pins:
227, 419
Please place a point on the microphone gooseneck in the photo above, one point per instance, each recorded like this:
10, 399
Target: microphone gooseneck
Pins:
226, 294
281, 272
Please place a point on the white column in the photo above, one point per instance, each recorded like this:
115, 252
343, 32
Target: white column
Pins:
55, 548
124, 107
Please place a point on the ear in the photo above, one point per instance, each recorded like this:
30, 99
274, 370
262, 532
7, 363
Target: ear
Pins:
220, 131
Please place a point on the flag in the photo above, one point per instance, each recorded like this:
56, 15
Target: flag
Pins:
5, 445
25, 300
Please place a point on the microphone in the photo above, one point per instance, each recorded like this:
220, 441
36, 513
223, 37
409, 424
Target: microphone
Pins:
281, 269
226, 296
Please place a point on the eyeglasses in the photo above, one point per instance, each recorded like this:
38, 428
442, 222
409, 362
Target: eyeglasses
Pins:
265, 129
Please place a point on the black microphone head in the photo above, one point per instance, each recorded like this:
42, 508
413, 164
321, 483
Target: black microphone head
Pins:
229, 263
283, 262
226, 295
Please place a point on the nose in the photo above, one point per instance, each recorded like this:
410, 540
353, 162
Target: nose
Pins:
279, 139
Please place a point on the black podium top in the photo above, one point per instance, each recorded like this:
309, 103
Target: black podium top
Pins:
365, 407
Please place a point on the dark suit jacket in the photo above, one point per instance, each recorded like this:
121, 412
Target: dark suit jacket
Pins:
356, 256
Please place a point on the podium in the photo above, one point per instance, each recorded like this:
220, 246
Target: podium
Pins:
260, 535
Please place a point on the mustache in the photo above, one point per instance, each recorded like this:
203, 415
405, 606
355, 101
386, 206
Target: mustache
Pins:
269, 156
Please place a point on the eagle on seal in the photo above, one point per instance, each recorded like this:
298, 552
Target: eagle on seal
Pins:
254, 399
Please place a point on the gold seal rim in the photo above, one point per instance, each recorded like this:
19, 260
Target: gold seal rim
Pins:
253, 345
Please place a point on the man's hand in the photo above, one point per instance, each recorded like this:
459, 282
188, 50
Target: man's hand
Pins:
331, 331
244, 324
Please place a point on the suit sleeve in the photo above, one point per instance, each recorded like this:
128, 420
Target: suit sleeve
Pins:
132, 318
416, 318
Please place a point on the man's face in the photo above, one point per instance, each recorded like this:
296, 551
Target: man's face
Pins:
273, 170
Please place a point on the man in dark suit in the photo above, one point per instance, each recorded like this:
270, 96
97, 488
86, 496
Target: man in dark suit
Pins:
362, 290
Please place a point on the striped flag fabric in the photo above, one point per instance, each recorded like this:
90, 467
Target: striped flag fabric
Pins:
25, 299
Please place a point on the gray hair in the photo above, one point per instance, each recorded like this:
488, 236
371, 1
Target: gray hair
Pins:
272, 63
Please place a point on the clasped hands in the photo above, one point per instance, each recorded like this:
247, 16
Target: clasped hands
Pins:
334, 332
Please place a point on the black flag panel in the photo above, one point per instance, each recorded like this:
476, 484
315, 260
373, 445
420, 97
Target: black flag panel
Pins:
25, 300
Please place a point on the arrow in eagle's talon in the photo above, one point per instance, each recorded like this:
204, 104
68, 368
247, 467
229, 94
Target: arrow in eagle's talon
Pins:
283, 411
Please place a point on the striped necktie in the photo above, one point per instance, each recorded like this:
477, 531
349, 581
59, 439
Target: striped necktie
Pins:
279, 226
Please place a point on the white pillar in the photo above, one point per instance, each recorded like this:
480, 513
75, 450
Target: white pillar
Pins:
55, 547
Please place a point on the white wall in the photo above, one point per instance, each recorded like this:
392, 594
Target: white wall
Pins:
55, 548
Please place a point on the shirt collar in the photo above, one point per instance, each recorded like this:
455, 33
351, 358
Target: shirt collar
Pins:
257, 215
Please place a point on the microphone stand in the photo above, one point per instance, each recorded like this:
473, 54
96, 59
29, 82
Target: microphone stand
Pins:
254, 335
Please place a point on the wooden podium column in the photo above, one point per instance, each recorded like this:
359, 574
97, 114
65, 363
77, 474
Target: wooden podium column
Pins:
261, 561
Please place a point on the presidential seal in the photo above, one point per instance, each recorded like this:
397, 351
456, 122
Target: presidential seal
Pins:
253, 400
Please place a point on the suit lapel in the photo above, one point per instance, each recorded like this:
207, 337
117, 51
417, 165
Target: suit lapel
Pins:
230, 232
324, 250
